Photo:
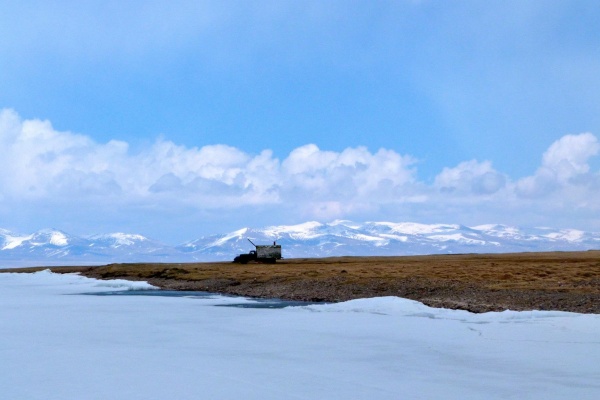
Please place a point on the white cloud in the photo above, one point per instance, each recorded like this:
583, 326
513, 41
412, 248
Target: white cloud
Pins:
42, 162
352, 173
470, 176
41, 165
37, 160
568, 156
564, 165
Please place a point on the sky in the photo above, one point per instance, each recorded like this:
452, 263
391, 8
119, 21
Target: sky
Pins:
182, 118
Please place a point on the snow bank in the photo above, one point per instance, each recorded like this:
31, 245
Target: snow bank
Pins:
121, 284
112, 284
73, 283
397, 306
151, 347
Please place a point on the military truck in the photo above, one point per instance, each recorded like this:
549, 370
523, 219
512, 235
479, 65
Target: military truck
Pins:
267, 254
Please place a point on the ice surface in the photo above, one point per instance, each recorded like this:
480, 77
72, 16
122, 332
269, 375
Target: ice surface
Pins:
56, 344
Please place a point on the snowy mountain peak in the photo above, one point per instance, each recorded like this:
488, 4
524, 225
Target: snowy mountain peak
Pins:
414, 228
216, 241
58, 239
345, 222
570, 235
304, 230
498, 229
309, 239
11, 242
119, 239
48, 237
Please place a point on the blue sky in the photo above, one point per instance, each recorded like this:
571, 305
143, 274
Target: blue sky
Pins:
174, 119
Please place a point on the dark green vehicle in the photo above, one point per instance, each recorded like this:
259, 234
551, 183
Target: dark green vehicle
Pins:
267, 254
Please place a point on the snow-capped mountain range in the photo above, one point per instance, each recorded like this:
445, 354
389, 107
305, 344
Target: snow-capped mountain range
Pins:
310, 239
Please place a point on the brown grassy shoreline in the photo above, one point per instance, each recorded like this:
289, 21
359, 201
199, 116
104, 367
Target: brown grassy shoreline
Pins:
565, 281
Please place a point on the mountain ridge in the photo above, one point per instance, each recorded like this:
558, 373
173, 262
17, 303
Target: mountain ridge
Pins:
309, 239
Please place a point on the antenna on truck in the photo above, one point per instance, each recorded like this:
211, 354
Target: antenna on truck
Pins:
251, 242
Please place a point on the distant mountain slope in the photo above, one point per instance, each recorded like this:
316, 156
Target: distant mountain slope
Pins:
310, 239
51, 246
314, 239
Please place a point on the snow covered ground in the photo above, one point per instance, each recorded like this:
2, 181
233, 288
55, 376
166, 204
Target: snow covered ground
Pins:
56, 344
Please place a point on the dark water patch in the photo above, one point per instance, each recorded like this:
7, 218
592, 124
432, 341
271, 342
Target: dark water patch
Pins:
252, 303
160, 293
269, 303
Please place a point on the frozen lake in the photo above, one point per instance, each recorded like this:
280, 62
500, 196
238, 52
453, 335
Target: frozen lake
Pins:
56, 343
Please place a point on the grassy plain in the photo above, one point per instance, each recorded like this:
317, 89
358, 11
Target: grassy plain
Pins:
568, 281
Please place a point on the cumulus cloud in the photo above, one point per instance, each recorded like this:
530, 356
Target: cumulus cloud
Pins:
470, 176
564, 164
354, 172
41, 164
569, 155
39, 161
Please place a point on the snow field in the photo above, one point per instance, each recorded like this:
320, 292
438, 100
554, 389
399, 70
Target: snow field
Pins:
57, 344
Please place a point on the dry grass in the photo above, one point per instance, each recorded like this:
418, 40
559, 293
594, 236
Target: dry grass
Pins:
564, 271
477, 282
